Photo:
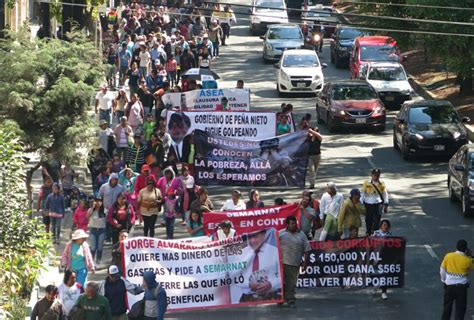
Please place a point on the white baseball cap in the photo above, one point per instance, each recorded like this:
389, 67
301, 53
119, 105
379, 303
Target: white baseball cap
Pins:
113, 269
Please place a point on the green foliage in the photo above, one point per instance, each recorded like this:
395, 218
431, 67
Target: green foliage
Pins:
46, 89
23, 242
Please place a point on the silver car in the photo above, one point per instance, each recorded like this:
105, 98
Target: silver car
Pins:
281, 37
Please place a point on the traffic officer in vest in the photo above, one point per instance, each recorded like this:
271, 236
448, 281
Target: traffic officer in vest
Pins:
454, 276
374, 196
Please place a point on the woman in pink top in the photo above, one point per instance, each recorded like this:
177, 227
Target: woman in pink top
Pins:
80, 215
135, 113
171, 67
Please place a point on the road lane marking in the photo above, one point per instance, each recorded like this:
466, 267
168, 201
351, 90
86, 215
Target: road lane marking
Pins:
431, 251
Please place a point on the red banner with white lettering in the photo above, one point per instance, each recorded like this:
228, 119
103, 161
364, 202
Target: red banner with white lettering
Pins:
246, 221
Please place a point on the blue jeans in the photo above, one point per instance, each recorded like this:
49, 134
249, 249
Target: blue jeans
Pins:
81, 276
56, 228
119, 115
97, 238
104, 115
169, 222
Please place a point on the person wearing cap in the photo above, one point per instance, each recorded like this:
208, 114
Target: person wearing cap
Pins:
350, 215
106, 137
97, 225
329, 207
104, 104
235, 203
115, 289
454, 273
77, 256
215, 35
123, 136
56, 208
374, 196
149, 205
136, 153
125, 57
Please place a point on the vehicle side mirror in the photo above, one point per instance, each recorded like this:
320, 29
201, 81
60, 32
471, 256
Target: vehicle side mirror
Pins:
458, 167
324, 65
276, 66
262, 37
465, 119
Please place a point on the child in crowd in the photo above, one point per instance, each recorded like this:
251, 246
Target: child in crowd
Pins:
80, 215
195, 224
149, 126
117, 164
283, 125
171, 204
384, 231
304, 124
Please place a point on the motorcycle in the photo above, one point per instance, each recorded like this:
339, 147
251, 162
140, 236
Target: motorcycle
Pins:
314, 41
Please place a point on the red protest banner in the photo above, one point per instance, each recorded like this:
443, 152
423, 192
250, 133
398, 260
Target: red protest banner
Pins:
251, 220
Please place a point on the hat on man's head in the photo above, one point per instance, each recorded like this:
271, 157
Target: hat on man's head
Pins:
102, 122
113, 269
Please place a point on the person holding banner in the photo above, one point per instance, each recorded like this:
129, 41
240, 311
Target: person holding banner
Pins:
224, 231
235, 203
384, 231
202, 202
254, 200
262, 275
350, 214
293, 245
330, 206
195, 224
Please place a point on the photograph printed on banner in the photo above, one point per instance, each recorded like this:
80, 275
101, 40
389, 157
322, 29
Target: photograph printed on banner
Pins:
278, 161
262, 276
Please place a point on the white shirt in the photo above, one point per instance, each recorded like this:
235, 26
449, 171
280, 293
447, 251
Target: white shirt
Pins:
104, 137
220, 235
69, 295
188, 182
144, 59
330, 205
230, 206
105, 100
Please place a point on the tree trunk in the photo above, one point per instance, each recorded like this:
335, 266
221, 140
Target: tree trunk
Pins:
29, 189
465, 86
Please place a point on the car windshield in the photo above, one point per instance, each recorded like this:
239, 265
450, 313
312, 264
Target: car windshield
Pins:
304, 60
318, 14
433, 115
284, 33
263, 5
322, 2
378, 53
353, 93
348, 33
387, 74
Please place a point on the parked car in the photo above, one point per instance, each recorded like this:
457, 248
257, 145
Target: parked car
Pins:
428, 128
342, 43
390, 81
281, 37
299, 71
372, 49
461, 178
350, 103
266, 12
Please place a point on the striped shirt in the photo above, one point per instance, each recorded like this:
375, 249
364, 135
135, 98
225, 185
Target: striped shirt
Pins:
132, 158
455, 268
293, 245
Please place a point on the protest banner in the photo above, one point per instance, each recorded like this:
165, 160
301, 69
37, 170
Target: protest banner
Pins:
359, 262
209, 274
239, 125
251, 220
278, 161
209, 100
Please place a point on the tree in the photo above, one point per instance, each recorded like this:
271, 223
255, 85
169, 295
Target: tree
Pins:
46, 88
456, 51
23, 243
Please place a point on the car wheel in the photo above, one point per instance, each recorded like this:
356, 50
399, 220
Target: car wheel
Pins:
395, 143
452, 196
466, 206
318, 117
332, 58
405, 153
330, 123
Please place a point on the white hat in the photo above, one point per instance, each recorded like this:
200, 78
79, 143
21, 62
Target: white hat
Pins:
79, 234
332, 185
113, 269
173, 36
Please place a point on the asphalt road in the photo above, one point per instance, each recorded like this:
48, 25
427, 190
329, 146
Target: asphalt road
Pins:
420, 209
